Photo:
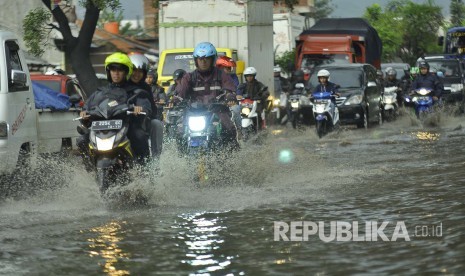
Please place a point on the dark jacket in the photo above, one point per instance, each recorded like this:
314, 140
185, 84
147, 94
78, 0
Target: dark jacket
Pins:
429, 81
102, 93
204, 86
330, 87
254, 90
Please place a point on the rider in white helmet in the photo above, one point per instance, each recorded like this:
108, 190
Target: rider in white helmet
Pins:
324, 84
254, 90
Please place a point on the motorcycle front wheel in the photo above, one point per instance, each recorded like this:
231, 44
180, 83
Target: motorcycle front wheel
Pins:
320, 128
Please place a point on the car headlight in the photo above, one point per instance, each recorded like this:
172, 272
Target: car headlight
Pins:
105, 144
456, 87
246, 111
197, 123
354, 99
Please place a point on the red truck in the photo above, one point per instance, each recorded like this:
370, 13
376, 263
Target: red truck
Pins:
339, 41
60, 83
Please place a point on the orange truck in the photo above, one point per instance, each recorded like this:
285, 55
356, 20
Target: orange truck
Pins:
338, 41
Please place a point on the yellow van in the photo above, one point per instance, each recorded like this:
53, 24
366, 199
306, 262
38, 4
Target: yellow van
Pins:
181, 58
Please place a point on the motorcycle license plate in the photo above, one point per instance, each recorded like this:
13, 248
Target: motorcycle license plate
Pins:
106, 125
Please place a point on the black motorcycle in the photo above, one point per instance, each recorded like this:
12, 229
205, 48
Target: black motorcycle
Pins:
109, 148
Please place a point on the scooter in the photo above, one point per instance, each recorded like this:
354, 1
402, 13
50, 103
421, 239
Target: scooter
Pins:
249, 115
295, 104
422, 100
326, 114
389, 103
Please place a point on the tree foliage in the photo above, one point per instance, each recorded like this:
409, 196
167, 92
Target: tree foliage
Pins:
286, 61
38, 25
457, 13
321, 9
407, 30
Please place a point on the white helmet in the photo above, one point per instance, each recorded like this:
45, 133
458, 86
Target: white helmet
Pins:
323, 73
250, 71
277, 69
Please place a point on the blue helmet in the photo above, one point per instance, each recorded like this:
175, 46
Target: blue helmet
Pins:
205, 49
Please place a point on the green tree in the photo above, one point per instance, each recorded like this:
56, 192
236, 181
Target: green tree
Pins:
321, 9
407, 30
286, 61
37, 27
457, 13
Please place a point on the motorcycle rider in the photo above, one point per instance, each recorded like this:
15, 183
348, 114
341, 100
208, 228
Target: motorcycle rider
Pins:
391, 80
227, 64
177, 76
207, 82
281, 84
427, 80
324, 85
255, 90
119, 69
154, 125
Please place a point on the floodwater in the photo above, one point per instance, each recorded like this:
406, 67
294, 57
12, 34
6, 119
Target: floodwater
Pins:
403, 175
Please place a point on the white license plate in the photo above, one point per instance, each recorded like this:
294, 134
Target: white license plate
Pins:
107, 125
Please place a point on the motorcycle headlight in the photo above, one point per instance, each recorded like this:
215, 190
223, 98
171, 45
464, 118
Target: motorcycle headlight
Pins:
354, 99
456, 87
295, 104
276, 102
105, 144
246, 111
197, 123
423, 91
389, 99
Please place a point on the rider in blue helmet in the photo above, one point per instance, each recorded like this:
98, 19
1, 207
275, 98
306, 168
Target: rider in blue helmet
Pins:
206, 82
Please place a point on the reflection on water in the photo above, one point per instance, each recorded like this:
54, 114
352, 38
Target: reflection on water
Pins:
202, 235
105, 245
426, 136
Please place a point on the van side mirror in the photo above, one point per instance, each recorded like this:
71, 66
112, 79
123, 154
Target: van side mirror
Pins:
18, 78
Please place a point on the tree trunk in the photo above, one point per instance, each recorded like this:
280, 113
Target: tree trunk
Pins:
78, 48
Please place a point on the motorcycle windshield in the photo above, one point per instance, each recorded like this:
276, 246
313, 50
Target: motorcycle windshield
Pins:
321, 95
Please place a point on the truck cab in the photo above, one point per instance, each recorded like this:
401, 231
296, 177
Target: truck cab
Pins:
181, 58
24, 130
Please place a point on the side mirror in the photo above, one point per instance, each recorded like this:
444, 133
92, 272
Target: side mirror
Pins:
18, 78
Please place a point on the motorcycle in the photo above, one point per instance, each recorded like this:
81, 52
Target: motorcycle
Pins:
109, 148
326, 115
294, 104
422, 100
389, 103
204, 134
249, 117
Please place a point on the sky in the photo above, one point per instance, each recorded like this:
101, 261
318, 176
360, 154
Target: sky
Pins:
356, 8
344, 8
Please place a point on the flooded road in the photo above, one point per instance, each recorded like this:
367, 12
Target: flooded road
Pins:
408, 176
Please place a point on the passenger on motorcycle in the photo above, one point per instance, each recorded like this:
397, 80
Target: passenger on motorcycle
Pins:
157, 91
119, 69
207, 82
255, 90
177, 77
227, 64
391, 80
326, 86
427, 80
154, 124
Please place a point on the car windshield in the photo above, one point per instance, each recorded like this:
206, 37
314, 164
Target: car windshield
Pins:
345, 78
177, 61
450, 68
311, 61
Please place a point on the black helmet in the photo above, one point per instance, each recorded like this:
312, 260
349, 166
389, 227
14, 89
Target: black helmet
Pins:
178, 74
379, 73
423, 64
153, 74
